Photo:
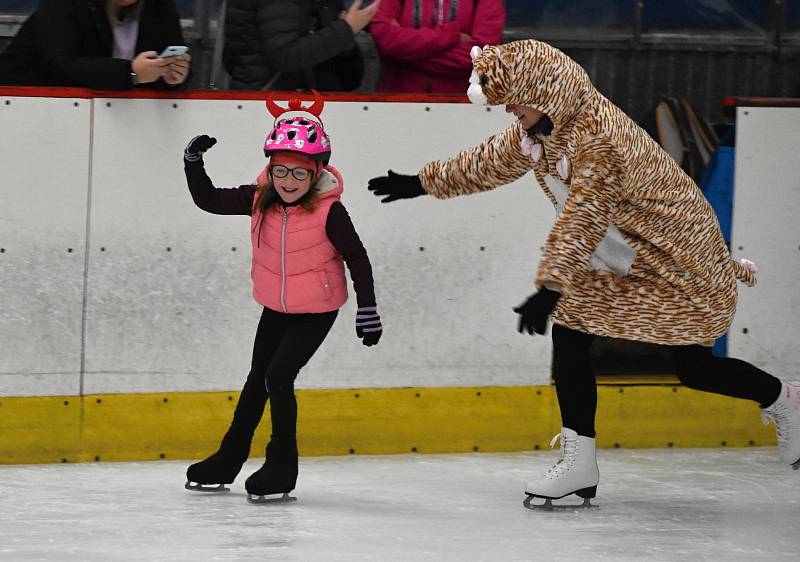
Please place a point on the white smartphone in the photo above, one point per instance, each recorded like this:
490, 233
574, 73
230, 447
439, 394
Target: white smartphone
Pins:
174, 51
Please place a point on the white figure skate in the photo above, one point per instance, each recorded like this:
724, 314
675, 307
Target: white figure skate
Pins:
575, 472
785, 412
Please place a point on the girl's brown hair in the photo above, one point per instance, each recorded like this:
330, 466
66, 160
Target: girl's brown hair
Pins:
266, 196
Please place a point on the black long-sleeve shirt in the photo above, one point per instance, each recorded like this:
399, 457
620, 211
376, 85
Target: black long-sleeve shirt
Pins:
338, 227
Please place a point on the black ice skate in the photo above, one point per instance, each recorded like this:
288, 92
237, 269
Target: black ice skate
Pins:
195, 487
575, 473
277, 476
211, 474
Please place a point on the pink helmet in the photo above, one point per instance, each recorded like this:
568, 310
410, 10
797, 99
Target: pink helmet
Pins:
298, 133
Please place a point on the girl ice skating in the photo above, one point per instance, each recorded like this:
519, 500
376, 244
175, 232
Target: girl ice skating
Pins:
302, 238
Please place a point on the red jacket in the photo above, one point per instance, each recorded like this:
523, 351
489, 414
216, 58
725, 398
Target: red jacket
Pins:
421, 46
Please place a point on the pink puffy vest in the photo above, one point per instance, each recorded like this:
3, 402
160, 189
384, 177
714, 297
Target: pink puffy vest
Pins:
296, 269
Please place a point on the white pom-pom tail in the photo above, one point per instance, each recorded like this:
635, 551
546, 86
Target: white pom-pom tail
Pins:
749, 265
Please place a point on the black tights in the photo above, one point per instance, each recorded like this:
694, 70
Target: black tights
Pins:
283, 345
695, 366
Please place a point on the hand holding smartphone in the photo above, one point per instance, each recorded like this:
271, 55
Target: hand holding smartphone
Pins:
177, 59
174, 51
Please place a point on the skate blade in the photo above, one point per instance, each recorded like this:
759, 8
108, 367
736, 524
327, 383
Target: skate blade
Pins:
285, 498
213, 488
548, 504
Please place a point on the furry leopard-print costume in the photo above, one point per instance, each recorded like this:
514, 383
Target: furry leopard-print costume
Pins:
636, 249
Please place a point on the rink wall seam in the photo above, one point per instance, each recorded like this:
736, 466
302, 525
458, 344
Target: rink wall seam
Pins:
135, 427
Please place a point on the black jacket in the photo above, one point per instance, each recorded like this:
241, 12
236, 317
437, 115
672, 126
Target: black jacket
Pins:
290, 45
69, 43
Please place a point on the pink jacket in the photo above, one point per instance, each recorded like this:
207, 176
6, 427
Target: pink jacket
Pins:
296, 269
421, 46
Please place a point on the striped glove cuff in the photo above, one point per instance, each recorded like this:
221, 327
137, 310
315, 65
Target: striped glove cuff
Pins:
191, 156
368, 320
197, 146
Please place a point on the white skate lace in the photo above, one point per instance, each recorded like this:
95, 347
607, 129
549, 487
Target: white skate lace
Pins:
785, 422
569, 449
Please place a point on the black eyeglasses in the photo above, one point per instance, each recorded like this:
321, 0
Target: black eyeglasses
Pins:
298, 173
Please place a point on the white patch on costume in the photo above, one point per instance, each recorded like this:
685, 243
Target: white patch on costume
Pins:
475, 52
562, 167
613, 254
299, 143
530, 147
476, 95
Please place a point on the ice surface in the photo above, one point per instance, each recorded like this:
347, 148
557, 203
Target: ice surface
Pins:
688, 504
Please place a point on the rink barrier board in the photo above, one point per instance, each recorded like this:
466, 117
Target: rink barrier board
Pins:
765, 230
113, 255
158, 297
136, 427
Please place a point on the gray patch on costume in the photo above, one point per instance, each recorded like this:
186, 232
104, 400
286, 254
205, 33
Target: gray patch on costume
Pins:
613, 254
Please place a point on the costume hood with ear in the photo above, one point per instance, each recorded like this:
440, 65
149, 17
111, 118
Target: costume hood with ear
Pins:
621, 251
505, 75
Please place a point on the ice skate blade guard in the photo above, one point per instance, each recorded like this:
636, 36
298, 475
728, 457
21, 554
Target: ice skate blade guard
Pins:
259, 499
213, 488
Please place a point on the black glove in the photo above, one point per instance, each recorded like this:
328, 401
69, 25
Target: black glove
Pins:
535, 311
197, 146
396, 186
368, 325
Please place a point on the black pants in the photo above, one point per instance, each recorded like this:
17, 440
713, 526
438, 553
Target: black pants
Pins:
695, 366
284, 343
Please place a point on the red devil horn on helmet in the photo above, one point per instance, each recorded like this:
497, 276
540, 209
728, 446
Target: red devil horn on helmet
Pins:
273, 107
316, 107
295, 105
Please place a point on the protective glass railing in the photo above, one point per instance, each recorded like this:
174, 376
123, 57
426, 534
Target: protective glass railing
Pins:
717, 16
791, 22
576, 14
765, 22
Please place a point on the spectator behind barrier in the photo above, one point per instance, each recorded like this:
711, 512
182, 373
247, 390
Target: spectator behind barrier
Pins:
424, 44
294, 44
100, 44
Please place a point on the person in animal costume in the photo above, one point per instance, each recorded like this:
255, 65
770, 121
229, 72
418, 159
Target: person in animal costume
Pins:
635, 251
